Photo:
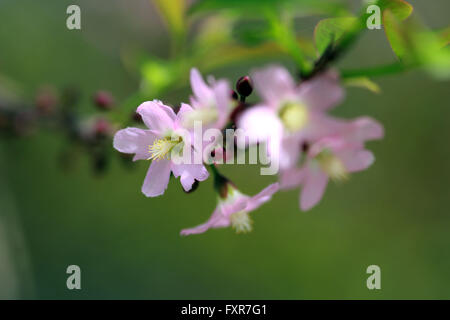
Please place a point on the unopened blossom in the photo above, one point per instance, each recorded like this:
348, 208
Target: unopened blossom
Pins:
233, 210
290, 112
162, 143
333, 157
211, 103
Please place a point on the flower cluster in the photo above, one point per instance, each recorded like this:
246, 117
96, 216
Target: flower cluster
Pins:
308, 146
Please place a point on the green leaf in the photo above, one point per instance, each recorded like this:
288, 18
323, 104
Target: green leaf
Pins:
363, 82
396, 34
329, 31
173, 12
399, 8
157, 75
393, 13
255, 7
251, 32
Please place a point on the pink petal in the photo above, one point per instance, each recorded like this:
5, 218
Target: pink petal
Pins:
134, 140
273, 83
223, 102
313, 188
356, 160
188, 173
262, 197
201, 90
260, 123
368, 129
321, 92
184, 109
291, 178
217, 220
157, 178
157, 116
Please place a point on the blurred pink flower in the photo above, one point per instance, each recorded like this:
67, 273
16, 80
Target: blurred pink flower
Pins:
290, 113
211, 103
233, 210
164, 140
332, 157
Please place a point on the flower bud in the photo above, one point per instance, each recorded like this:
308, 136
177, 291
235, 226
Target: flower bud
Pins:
136, 117
244, 86
103, 100
102, 128
234, 95
46, 100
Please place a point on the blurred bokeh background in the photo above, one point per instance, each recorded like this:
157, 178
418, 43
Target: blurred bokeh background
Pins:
395, 215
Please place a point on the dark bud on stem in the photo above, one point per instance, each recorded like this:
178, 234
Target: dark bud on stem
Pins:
234, 95
305, 147
103, 100
244, 86
136, 117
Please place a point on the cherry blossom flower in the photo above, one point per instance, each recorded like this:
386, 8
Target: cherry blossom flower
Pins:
290, 112
233, 210
211, 103
165, 141
332, 157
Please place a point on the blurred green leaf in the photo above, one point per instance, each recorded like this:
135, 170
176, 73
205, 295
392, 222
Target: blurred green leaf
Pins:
395, 34
331, 30
173, 12
255, 7
157, 75
399, 8
251, 33
444, 36
415, 45
431, 54
363, 82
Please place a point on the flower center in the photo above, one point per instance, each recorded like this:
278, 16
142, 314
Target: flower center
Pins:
333, 166
294, 115
241, 222
206, 115
162, 148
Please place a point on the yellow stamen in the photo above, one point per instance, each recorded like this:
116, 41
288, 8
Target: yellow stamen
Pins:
333, 166
241, 222
294, 115
161, 148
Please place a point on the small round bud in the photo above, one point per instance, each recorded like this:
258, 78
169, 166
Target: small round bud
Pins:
103, 100
136, 117
102, 128
46, 100
305, 147
234, 95
244, 86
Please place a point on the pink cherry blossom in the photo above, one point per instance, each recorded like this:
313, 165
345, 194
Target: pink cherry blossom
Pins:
233, 210
334, 157
211, 103
289, 112
164, 139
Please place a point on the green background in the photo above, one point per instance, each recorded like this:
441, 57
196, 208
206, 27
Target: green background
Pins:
394, 215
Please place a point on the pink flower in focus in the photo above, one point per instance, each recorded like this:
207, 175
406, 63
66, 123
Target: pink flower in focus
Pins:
332, 157
233, 210
290, 112
164, 140
211, 103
